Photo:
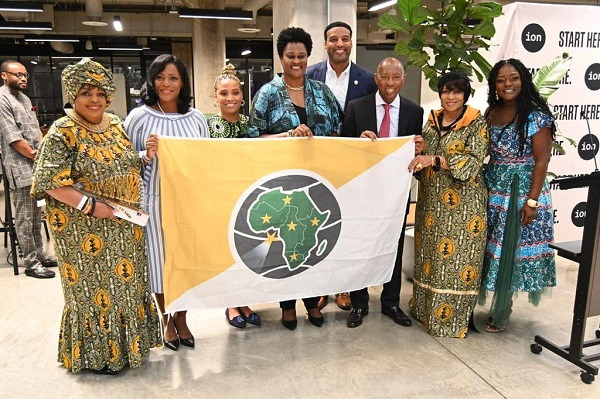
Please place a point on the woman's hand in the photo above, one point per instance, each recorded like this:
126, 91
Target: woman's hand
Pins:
152, 146
103, 211
420, 162
419, 144
528, 214
302, 131
367, 134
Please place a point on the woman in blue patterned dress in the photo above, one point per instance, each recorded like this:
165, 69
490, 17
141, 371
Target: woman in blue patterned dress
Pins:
520, 218
166, 112
291, 105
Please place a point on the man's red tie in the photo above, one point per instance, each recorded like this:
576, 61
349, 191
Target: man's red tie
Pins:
384, 129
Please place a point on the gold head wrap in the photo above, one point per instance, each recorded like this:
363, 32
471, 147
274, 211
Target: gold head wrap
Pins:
87, 72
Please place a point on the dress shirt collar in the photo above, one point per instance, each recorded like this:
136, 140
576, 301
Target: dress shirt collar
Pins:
379, 100
332, 73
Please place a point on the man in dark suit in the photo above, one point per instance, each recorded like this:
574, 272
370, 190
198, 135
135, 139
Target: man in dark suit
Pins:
347, 81
384, 114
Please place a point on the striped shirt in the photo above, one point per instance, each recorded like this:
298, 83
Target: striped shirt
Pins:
139, 124
18, 121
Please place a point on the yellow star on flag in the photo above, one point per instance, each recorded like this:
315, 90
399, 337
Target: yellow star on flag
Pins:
315, 221
266, 218
294, 256
271, 238
292, 226
287, 200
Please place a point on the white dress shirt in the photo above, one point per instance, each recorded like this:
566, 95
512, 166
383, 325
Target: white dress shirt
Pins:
394, 113
338, 85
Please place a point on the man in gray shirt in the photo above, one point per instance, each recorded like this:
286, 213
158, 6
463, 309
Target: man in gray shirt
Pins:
20, 139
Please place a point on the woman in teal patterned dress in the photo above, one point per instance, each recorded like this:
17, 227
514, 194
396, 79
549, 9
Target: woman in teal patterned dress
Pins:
109, 319
229, 123
450, 218
520, 217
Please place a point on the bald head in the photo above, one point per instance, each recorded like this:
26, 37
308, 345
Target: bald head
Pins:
390, 78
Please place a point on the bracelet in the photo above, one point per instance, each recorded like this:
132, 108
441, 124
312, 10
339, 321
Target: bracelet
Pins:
289, 132
82, 202
146, 159
90, 207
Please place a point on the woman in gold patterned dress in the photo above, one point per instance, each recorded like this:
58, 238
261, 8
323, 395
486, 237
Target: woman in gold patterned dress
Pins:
450, 231
109, 319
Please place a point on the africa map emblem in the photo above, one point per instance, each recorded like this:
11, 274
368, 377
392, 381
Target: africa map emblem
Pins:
287, 225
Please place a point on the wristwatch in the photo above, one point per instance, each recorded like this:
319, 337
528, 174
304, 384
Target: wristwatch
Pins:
533, 203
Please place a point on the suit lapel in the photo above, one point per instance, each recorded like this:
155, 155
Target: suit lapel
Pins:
403, 118
371, 113
352, 88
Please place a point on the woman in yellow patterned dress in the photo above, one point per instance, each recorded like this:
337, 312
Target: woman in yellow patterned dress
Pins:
109, 319
450, 230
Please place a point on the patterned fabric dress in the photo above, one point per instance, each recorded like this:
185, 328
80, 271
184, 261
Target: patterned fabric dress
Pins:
109, 318
534, 266
450, 227
223, 129
139, 124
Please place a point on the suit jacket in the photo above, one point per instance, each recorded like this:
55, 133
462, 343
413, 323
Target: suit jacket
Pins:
361, 115
360, 83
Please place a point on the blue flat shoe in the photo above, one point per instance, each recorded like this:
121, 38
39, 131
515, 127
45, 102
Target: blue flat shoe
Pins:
237, 321
253, 319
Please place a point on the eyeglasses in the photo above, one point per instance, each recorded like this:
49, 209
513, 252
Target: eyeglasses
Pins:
19, 75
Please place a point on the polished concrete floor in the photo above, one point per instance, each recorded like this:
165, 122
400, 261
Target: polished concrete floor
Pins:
377, 360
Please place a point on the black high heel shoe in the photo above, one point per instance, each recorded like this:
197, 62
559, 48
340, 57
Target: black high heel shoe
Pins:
316, 321
174, 344
105, 371
189, 342
289, 324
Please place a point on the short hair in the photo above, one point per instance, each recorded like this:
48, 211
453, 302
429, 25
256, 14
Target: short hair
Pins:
336, 24
293, 35
148, 92
6, 63
455, 80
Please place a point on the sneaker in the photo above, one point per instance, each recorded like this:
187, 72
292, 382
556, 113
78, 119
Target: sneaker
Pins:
39, 272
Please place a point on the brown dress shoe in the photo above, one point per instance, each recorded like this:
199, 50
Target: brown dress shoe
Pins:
343, 301
322, 302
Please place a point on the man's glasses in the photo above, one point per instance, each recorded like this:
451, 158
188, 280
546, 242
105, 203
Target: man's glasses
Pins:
19, 75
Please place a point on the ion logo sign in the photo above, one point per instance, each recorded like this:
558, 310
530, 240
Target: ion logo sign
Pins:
533, 38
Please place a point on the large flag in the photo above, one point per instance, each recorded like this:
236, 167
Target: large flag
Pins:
251, 221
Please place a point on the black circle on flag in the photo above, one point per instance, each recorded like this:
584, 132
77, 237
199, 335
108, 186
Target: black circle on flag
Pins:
287, 225
533, 38
578, 214
592, 77
588, 147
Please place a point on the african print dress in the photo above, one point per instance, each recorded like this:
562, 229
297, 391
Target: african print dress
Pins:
109, 318
450, 227
508, 175
223, 129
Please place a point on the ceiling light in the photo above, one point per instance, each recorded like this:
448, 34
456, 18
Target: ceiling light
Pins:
48, 38
379, 4
9, 25
24, 6
88, 44
246, 52
117, 24
94, 22
215, 14
120, 47
248, 28
34, 62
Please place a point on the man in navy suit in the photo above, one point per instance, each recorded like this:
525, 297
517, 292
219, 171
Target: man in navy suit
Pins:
384, 114
347, 81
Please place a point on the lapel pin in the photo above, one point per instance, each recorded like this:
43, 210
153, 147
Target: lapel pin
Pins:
356, 83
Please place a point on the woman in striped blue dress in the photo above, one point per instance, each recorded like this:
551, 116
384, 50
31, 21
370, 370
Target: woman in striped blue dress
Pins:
166, 112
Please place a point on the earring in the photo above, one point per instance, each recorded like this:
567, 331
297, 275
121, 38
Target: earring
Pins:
243, 103
497, 98
216, 105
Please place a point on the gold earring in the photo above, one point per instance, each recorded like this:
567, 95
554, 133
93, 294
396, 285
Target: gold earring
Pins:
243, 103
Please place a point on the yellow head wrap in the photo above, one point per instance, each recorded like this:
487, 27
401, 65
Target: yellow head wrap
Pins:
87, 72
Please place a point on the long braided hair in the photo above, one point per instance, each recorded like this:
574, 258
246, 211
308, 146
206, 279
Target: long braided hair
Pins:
529, 99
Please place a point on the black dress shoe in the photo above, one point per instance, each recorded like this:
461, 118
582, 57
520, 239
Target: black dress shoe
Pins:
49, 262
39, 272
397, 315
106, 371
355, 317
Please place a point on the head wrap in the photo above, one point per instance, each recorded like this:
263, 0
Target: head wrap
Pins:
451, 77
87, 72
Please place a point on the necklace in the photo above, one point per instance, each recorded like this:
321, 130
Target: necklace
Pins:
100, 127
171, 118
293, 88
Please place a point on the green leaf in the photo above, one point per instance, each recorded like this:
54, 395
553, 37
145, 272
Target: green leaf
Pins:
546, 80
406, 8
485, 29
401, 48
419, 15
393, 22
415, 44
558, 148
481, 62
494, 7
441, 62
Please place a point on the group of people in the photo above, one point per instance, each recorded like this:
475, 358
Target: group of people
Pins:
475, 231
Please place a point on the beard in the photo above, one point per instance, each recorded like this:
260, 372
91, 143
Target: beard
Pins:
16, 86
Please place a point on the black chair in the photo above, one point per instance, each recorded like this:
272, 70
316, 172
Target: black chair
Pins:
8, 225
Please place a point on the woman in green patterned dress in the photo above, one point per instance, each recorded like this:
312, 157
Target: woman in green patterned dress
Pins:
109, 319
229, 123
450, 231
